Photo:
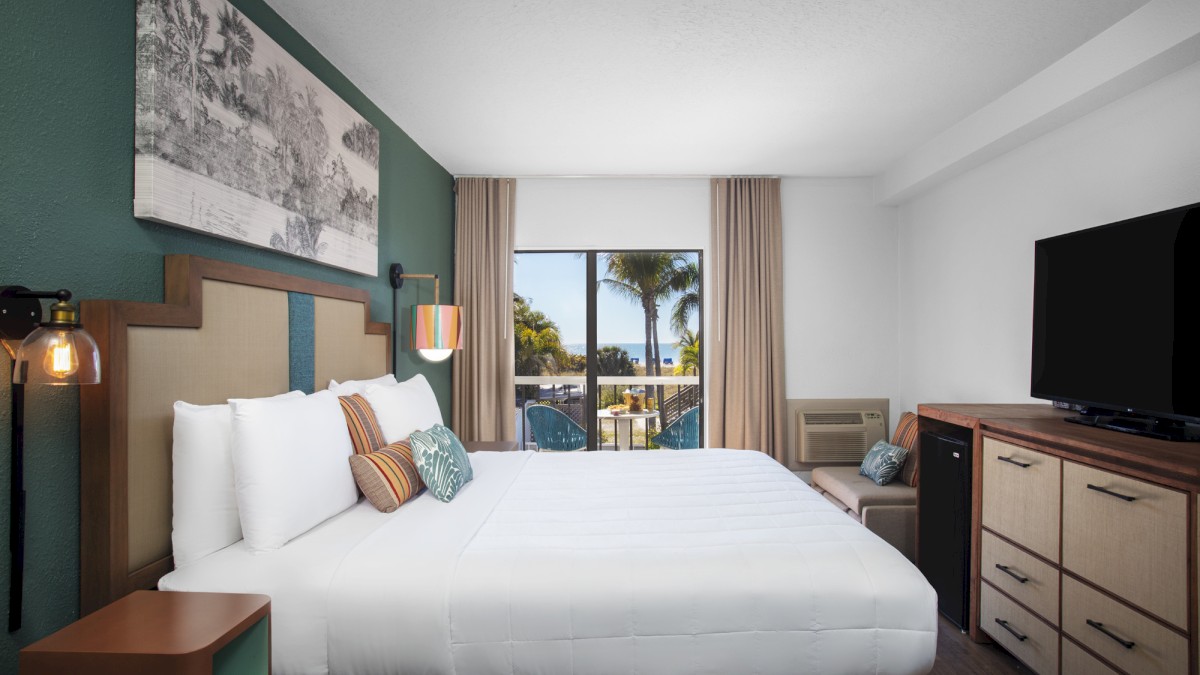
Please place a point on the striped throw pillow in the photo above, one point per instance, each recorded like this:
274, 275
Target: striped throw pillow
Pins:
906, 437
365, 433
906, 431
388, 476
883, 462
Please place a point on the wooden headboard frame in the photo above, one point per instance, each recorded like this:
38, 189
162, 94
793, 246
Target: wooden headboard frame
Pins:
105, 573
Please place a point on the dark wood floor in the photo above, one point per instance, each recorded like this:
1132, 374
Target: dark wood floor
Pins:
957, 655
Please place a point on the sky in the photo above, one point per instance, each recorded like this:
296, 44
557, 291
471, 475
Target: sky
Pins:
556, 285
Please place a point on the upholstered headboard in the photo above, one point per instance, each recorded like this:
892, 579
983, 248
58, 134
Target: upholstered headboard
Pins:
224, 331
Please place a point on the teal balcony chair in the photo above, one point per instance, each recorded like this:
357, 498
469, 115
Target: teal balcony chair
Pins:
683, 433
554, 430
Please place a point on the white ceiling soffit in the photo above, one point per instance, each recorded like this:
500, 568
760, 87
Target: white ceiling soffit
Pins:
688, 87
1152, 42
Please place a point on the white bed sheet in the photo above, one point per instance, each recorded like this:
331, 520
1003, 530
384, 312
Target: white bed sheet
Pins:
700, 561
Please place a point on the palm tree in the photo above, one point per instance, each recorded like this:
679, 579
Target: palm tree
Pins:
238, 51
235, 55
688, 284
537, 343
689, 353
647, 279
185, 35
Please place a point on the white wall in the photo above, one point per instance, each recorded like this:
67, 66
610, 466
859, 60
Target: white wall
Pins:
966, 247
613, 213
840, 296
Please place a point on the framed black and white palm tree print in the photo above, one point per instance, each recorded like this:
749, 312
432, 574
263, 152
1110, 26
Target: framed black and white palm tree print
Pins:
236, 139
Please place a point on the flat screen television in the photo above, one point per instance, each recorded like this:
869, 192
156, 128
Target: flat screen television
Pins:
1116, 312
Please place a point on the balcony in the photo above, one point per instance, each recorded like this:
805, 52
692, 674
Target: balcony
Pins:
567, 393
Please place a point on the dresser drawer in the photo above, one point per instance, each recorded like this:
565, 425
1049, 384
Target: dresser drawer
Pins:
1023, 635
1021, 495
1075, 661
1130, 540
1149, 647
1030, 581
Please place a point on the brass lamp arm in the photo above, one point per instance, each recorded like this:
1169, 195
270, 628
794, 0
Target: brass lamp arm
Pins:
397, 276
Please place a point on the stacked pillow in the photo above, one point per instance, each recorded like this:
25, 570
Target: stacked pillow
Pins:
350, 387
404, 408
204, 509
289, 465
267, 470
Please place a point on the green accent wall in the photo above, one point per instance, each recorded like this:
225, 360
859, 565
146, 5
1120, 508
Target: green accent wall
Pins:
66, 221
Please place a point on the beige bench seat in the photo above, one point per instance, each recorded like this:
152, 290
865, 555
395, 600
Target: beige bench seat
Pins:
889, 511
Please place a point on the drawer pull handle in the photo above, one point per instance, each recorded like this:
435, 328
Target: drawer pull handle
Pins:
1010, 460
1100, 627
1006, 570
1005, 626
1106, 491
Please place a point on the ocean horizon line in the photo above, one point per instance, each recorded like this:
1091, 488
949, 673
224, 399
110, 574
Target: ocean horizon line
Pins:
636, 350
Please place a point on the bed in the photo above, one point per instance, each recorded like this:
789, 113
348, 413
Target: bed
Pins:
703, 561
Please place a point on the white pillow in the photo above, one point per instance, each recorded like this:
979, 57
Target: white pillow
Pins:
204, 515
290, 466
404, 408
351, 387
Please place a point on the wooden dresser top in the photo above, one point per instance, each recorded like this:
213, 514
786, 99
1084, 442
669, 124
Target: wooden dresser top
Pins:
1176, 464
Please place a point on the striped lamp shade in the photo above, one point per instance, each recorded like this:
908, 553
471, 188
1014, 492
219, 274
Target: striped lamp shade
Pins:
436, 330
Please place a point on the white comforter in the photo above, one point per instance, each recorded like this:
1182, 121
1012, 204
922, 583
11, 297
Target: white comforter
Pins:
702, 561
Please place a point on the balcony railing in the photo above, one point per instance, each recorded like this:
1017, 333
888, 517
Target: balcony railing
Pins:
567, 393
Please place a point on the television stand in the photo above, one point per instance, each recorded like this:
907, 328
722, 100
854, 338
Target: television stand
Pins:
1141, 425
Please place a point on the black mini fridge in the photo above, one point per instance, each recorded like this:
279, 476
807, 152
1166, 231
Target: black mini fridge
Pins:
944, 516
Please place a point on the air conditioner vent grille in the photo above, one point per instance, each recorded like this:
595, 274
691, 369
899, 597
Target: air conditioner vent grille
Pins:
828, 436
833, 418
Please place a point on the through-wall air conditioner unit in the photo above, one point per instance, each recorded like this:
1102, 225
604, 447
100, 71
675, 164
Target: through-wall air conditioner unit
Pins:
837, 435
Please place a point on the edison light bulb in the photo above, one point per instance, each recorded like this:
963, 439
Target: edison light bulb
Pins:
62, 360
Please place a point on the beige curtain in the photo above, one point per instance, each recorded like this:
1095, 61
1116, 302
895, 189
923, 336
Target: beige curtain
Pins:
484, 393
745, 406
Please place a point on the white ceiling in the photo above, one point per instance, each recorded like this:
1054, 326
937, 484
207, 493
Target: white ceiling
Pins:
688, 87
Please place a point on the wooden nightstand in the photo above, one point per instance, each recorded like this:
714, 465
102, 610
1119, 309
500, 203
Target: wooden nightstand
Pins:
161, 632
490, 446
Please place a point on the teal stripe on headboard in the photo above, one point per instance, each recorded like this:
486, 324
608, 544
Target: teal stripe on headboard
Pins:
301, 342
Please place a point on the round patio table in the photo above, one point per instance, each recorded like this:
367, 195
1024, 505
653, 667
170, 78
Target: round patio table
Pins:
624, 432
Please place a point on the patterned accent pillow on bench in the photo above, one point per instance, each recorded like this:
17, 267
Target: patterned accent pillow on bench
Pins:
883, 462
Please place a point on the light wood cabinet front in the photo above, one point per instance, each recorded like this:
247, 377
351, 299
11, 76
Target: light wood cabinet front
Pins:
1032, 582
1128, 537
1076, 661
1121, 635
1021, 633
1021, 495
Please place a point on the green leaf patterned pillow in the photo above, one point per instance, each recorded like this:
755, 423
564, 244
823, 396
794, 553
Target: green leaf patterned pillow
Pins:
445, 436
443, 471
883, 462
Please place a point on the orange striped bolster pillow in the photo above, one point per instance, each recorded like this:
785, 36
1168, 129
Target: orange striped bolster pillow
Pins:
388, 477
906, 431
362, 423
906, 437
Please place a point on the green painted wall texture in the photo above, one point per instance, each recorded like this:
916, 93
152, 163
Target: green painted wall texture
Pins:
66, 221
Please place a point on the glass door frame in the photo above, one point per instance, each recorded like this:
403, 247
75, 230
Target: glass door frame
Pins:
592, 283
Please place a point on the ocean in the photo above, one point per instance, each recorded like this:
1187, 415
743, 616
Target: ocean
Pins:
637, 350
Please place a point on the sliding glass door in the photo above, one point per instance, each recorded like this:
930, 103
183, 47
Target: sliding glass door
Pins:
608, 348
